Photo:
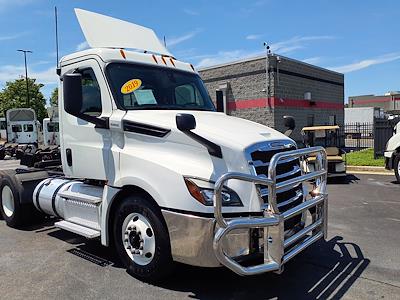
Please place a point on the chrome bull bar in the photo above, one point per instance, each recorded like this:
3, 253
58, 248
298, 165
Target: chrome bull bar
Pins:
273, 220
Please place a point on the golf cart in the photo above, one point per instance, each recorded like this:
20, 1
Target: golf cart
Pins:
327, 137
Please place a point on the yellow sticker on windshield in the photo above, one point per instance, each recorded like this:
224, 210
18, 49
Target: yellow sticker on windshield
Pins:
131, 86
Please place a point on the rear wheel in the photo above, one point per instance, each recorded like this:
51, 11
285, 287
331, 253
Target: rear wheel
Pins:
397, 167
13, 212
142, 240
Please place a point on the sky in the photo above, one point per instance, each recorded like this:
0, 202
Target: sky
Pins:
357, 38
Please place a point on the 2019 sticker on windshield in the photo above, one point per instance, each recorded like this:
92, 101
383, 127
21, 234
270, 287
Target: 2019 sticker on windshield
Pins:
131, 86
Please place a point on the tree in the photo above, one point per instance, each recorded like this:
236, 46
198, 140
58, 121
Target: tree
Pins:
54, 97
14, 96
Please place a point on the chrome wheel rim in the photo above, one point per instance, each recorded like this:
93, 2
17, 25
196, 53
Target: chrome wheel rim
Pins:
7, 201
138, 239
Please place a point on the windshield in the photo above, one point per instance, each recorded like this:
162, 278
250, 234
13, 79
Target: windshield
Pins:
148, 87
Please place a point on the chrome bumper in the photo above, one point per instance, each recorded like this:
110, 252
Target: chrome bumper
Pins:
277, 249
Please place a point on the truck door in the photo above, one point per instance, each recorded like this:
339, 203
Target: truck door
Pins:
85, 148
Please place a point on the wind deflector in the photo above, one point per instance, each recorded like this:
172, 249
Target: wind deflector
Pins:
106, 32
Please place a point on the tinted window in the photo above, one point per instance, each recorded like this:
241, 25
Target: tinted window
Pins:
16, 128
52, 127
28, 128
3, 125
91, 95
150, 87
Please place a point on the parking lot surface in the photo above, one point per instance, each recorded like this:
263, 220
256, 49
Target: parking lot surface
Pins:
360, 260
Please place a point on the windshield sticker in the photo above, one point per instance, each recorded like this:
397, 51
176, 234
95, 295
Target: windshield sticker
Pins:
130, 86
145, 97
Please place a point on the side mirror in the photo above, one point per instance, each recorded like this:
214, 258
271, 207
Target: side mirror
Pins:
185, 122
289, 122
72, 93
220, 100
73, 99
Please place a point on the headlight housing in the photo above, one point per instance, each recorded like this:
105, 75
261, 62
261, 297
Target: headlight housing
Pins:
203, 191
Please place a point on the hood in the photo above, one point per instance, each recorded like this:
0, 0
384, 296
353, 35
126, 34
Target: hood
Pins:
216, 127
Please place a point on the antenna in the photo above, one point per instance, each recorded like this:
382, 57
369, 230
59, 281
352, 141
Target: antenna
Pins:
56, 20
165, 43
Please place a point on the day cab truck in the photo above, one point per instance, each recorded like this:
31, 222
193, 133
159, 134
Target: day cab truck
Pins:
150, 167
23, 132
392, 153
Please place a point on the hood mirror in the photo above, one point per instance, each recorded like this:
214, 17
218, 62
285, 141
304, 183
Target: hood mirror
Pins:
290, 124
185, 122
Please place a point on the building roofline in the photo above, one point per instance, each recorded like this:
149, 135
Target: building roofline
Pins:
233, 62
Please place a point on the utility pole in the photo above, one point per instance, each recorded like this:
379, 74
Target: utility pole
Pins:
26, 75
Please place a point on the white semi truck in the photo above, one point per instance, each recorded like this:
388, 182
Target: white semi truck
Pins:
23, 132
51, 130
392, 153
3, 129
150, 167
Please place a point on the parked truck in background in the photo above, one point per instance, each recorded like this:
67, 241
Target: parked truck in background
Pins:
23, 132
150, 167
51, 130
392, 153
3, 129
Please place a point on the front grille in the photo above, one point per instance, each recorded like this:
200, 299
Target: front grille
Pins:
286, 169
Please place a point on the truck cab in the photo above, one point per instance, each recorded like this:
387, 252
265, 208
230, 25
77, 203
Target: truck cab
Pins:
151, 167
392, 153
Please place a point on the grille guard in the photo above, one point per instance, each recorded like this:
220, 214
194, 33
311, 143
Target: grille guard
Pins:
273, 220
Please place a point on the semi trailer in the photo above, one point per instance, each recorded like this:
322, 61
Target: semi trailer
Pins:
152, 168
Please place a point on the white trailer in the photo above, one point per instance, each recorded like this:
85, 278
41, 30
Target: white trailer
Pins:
151, 167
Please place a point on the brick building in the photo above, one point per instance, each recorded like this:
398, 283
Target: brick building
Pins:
312, 95
390, 102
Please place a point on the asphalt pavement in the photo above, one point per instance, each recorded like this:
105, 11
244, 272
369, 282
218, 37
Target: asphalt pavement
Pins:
360, 260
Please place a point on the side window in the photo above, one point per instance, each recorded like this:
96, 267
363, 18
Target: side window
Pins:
188, 94
91, 94
16, 128
28, 128
3, 125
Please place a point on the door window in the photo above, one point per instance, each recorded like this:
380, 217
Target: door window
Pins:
91, 95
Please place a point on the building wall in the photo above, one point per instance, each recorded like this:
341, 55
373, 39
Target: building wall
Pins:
389, 103
245, 81
289, 80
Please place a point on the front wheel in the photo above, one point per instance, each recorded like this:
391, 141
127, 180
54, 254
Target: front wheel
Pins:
142, 240
397, 167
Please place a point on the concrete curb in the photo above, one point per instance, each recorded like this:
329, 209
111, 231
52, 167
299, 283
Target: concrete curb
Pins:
368, 170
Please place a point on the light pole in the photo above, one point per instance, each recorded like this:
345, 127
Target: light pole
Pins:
26, 75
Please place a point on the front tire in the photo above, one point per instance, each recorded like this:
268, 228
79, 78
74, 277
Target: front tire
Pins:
397, 167
141, 239
10, 208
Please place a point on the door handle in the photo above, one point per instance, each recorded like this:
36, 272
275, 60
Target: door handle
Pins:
68, 152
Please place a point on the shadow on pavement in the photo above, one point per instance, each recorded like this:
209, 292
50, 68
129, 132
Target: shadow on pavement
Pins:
348, 179
326, 270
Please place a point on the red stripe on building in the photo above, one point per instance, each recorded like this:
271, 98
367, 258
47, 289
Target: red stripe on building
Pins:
365, 101
282, 102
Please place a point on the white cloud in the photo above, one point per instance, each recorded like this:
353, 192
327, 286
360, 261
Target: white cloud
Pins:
5, 4
367, 63
253, 37
177, 40
296, 43
226, 56
282, 47
313, 60
190, 12
12, 72
82, 46
12, 36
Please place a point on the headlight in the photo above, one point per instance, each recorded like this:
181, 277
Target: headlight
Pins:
203, 191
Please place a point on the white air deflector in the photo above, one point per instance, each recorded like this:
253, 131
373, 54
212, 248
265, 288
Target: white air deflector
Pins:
105, 32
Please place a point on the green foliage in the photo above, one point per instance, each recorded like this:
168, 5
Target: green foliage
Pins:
54, 97
364, 158
14, 95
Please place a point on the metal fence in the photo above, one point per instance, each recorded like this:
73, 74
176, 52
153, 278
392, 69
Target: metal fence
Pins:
358, 136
